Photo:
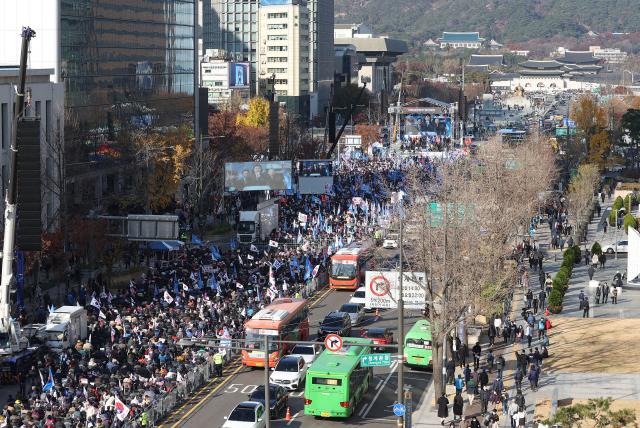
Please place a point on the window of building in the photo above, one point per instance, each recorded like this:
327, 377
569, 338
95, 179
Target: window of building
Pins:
254, 26
245, 37
254, 7
281, 81
281, 92
276, 15
277, 59
304, 48
207, 71
254, 37
277, 48
304, 37
245, 27
276, 26
245, 17
238, 17
253, 47
245, 7
304, 15
279, 37
229, 17
304, 81
238, 7
277, 70
304, 27
230, 8
304, 70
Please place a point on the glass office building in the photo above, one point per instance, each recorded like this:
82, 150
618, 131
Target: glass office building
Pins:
126, 64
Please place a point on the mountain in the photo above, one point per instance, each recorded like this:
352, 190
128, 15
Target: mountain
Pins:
502, 20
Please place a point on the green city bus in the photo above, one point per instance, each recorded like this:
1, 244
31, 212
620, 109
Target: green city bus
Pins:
417, 346
336, 382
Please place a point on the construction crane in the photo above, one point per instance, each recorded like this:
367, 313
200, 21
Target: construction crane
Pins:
14, 346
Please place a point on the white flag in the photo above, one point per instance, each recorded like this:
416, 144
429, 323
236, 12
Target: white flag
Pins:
122, 410
184, 287
95, 303
102, 315
254, 248
249, 256
273, 244
167, 297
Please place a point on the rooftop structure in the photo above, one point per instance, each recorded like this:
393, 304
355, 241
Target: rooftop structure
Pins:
461, 40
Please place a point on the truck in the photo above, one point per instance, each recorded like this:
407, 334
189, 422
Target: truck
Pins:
254, 225
65, 327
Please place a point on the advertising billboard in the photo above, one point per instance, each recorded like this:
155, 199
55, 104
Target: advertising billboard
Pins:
238, 75
247, 176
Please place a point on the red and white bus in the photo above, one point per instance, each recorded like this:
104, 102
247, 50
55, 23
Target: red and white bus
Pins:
349, 264
283, 319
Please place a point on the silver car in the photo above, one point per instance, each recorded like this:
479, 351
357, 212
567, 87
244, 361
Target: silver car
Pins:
356, 312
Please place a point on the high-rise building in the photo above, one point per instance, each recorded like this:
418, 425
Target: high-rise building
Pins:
284, 54
123, 64
321, 55
233, 27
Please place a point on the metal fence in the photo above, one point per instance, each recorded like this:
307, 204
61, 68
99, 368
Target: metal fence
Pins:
163, 405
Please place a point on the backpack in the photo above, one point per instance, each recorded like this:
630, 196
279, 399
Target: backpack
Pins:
520, 400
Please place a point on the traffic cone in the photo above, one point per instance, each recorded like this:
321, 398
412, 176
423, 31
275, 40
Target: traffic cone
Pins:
377, 314
546, 311
288, 417
361, 331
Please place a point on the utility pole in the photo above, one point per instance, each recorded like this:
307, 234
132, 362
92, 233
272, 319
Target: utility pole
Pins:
400, 334
267, 391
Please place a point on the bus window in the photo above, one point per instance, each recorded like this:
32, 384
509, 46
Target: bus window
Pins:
257, 337
343, 269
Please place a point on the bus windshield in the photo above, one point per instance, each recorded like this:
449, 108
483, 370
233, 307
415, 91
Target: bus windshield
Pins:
343, 269
257, 339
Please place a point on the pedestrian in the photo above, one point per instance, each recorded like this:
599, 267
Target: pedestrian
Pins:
500, 365
462, 354
542, 296
513, 412
477, 351
492, 334
594, 260
604, 226
598, 293
513, 331
467, 373
522, 418
217, 363
451, 371
541, 328
529, 333
605, 293
581, 298
471, 390
483, 378
505, 401
535, 304
498, 323
602, 196
443, 409
518, 376
485, 396
561, 243
459, 384
614, 295
603, 260
540, 260
497, 385
495, 400
587, 257
506, 332
490, 360
458, 405
474, 423
533, 377
463, 423
591, 271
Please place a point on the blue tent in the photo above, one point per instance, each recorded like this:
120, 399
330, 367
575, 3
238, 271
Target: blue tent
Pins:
165, 245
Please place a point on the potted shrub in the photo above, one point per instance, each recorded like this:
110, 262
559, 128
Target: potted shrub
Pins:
555, 302
596, 249
629, 221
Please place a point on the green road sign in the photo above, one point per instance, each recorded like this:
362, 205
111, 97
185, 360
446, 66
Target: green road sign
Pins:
375, 360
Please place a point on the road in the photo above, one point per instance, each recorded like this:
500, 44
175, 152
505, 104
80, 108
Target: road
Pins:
218, 398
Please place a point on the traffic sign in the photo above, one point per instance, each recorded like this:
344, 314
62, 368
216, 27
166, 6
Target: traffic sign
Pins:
375, 360
333, 342
398, 409
380, 286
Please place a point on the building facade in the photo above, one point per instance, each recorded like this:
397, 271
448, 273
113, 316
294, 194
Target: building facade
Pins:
460, 40
613, 56
47, 101
320, 53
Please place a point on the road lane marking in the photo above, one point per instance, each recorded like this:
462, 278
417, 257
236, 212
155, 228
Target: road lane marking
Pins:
363, 408
293, 418
204, 399
379, 383
393, 367
321, 297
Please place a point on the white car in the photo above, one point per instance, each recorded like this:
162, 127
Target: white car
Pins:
290, 372
308, 352
623, 247
391, 241
247, 414
358, 296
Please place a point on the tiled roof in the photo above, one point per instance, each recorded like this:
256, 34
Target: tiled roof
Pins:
541, 65
460, 37
496, 60
578, 57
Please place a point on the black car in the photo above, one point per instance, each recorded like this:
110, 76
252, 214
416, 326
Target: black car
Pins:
335, 323
277, 396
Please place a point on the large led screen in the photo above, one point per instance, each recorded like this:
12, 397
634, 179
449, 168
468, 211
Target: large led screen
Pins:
247, 176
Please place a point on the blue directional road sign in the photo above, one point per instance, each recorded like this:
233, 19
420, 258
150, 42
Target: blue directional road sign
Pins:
398, 409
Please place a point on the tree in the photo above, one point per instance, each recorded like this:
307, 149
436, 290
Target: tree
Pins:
258, 114
591, 121
629, 221
370, 134
631, 122
347, 95
581, 188
596, 413
458, 232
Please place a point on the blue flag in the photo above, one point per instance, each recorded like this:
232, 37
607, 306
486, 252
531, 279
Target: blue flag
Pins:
233, 244
295, 261
199, 280
293, 274
175, 283
155, 291
215, 253
49, 383
285, 224
307, 270
235, 275
195, 239
299, 236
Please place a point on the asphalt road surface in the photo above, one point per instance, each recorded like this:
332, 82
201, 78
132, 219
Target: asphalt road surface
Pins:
208, 407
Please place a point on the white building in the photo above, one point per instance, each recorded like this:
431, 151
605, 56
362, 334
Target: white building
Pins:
47, 101
609, 54
215, 76
284, 54
351, 31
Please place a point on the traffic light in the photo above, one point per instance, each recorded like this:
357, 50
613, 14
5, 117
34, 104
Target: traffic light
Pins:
274, 139
29, 204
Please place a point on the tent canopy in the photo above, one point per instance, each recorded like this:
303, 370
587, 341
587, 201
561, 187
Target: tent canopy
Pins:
165, 245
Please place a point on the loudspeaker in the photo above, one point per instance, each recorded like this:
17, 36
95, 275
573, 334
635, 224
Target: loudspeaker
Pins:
29, 193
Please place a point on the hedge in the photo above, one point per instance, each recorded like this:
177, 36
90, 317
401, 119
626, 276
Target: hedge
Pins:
629, 221
555, 298
561, 278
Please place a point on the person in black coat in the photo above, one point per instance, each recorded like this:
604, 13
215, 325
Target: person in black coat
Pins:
443, 409
518, 376
458, 405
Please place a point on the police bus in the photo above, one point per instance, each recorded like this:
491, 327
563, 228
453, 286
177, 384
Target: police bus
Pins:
418, 351
336, 382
